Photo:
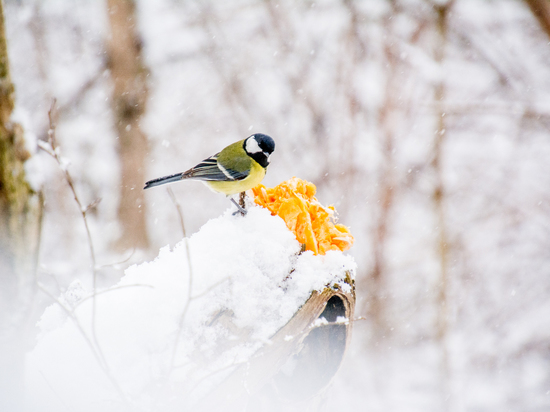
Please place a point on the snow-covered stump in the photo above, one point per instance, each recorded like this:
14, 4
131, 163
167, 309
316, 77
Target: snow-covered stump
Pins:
238, 314
298, 362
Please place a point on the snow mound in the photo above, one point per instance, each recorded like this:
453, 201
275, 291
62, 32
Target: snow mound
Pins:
165, 334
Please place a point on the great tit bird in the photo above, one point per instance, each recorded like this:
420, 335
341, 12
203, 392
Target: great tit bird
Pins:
237, 168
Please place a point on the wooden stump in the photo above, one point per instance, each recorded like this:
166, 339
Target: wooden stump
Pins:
300, 361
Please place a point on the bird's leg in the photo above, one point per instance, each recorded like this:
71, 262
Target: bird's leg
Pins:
242, 195
241, 210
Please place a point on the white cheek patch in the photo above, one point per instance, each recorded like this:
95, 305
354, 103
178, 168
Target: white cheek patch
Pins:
252, 146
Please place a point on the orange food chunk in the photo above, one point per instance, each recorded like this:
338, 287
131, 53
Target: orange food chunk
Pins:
312, 223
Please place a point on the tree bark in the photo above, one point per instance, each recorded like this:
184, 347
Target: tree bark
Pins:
129, 99
20, 213
438, 196
541, 10
315, 352
386, 184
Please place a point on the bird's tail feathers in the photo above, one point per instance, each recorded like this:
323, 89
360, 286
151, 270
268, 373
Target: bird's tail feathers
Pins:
163, 180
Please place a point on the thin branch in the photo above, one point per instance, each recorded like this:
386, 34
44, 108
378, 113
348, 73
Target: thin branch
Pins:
190, 279
96, 351
81, 93
83, 210
178, 209
93, 295
120, 262
208, 290
54, 151
56, 394
215, 372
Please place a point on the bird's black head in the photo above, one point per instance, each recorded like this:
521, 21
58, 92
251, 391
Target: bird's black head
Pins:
259, 147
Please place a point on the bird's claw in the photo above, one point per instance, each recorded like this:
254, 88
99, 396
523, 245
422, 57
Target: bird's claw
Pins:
240, 209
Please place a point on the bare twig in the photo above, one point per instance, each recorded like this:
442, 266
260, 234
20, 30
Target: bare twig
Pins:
189, 289
108, 265
215, 372
190, 279
96, 351
208, 290
56, 394
178, 209
190, 298
81, 93
93, 295
83, 210
54, 151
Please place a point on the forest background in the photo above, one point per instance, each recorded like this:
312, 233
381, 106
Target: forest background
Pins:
426, 124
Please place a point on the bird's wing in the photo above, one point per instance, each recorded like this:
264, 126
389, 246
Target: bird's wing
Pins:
209, 169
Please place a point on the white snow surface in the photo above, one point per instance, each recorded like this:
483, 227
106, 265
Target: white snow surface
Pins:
160, 354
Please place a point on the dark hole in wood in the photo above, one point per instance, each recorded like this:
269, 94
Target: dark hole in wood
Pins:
313, 367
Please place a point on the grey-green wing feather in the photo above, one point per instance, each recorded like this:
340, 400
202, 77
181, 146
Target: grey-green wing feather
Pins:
210, 170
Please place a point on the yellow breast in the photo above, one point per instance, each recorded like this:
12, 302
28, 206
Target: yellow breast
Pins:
257, 174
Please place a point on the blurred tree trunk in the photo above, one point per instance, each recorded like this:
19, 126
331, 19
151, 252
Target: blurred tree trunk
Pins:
541, 10
386, 183
442, 291
128, 100
438, 193
20, 213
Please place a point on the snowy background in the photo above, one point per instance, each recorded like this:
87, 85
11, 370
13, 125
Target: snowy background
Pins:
428, 131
